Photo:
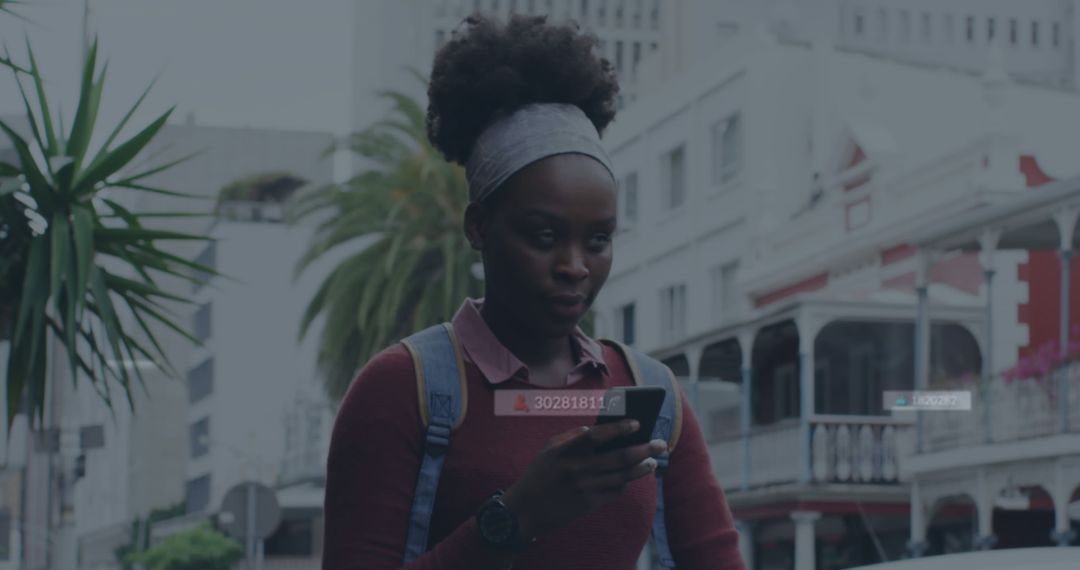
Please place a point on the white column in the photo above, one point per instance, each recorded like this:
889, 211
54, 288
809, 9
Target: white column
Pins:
693, 359
988, 243
1063, 533
922, 335
808, 327
1065, 220
746, 413
917, 544
805, 539
984, 507
746, 542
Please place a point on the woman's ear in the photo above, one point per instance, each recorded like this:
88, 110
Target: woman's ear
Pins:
475, 218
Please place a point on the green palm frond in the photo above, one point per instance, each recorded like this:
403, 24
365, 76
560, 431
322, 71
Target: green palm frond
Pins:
418, 269
77, 265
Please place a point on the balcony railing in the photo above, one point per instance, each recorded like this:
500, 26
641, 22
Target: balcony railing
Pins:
1015, 410
842, 449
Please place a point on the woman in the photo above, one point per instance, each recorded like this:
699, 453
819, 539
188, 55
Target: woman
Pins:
521, 105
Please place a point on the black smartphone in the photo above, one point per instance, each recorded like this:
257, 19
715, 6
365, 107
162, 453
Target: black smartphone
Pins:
642, 403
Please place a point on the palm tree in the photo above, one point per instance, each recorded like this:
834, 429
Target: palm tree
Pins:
417, 270
74, 262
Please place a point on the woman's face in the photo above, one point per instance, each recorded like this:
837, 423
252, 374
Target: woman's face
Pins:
547, 242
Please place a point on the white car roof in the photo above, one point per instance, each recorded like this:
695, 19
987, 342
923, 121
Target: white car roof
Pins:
1044, 558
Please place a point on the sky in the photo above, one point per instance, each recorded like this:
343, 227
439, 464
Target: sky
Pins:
240, 63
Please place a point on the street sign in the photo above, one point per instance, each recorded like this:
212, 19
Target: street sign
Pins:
246, 501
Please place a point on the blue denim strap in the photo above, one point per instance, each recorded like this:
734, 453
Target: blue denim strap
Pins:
438, 373
651, 372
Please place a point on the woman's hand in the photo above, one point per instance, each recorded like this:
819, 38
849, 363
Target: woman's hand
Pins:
567, 479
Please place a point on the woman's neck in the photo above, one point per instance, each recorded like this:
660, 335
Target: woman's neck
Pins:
534, 351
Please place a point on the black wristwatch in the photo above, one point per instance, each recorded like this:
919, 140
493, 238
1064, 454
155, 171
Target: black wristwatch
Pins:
498, 526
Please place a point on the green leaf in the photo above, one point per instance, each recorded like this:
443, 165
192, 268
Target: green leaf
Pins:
58, 261
108, 315
86, 112
132, 179
39, 185
83, 224
114, 160
51, 147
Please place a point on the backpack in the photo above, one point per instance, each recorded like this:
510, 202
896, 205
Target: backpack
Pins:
442, 393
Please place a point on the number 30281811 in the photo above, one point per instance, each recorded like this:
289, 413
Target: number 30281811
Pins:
569, 403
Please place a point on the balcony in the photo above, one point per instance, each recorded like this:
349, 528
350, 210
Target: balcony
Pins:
1015, 411
841, 449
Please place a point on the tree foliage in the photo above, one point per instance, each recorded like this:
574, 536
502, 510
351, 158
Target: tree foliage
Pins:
417, 270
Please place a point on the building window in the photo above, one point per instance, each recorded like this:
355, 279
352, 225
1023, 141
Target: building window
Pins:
530, 6
1014, 31
201, 381
206, 258
654, 16
947, 24
1055, 34
653, 46
627, 323
991, 29
601, 13
636, 59
636, 18
200, 438
673, 312
674, 173
197, 494
728, 273
726, 137
584, 10
476, 6
905, 26
926, 31
630, 198
723, 293
620, 11
883, 23
201, 324
969, 28
859, 23
1035, 34
619, 57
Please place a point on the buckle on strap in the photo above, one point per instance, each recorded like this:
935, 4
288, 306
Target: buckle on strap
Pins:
437, 439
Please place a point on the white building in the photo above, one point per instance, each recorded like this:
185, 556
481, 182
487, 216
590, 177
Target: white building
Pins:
145, 463
776, 201
392, 36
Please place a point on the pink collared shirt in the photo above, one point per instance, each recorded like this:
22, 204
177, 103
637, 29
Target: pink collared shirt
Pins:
498, 364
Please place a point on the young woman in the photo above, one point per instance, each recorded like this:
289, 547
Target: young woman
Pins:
521, 105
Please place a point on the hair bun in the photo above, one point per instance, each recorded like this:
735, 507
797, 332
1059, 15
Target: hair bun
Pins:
491, 68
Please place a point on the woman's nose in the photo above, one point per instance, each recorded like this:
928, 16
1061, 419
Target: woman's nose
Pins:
572, 264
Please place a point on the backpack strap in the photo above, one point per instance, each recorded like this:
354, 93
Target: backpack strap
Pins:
440, 384
648, 371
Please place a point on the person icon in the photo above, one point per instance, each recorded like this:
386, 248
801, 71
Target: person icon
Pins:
521, 405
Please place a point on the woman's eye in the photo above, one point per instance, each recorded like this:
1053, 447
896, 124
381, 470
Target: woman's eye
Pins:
600, 240
544, 237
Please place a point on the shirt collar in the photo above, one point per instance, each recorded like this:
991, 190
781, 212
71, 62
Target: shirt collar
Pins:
497, 363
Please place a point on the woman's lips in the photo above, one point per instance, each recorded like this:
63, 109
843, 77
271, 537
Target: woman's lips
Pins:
567, 306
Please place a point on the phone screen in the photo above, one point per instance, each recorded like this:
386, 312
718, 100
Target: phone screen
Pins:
643, 404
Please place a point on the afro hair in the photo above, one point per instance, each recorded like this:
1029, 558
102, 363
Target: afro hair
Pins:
491, 68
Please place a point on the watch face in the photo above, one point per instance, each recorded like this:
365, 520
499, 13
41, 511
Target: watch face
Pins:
496, 523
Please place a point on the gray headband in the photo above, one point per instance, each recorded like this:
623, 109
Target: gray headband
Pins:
533, 132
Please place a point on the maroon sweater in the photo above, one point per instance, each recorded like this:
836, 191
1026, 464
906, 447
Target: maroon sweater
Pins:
375, 455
